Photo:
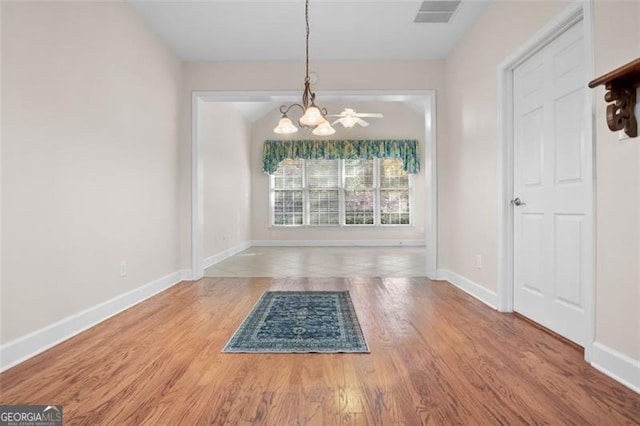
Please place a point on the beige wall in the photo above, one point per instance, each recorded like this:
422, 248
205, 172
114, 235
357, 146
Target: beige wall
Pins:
469, 170
399, 122
468, 161
89, 169
226, 136
288, 76
617, 41
341, 75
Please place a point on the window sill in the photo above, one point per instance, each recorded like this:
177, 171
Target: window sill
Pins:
343, 228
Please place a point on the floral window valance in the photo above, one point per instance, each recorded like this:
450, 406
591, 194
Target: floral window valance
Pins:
277, 151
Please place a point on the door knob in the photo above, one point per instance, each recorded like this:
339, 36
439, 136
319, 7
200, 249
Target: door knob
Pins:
517, 202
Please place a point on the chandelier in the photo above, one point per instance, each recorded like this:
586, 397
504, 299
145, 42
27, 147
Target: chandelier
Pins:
313, 117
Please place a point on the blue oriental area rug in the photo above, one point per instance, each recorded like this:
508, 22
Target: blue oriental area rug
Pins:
299, 322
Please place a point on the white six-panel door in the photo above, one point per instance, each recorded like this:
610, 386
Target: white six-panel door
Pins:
552, 179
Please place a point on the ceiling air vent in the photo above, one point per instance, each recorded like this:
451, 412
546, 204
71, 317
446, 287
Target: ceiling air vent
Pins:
436, 11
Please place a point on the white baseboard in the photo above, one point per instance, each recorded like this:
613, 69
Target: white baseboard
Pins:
616, 365
30, 345
441, 275
337, 243
212, 260
474, 289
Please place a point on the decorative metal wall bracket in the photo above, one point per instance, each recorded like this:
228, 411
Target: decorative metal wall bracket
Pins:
621, 84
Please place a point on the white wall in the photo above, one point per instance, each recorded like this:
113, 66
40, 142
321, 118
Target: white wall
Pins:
226, 136
89, 164
469, 171
617, 42
399, 122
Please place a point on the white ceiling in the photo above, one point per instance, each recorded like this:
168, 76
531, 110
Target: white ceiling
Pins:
240, 30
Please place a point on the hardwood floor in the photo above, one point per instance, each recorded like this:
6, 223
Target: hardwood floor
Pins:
438, 356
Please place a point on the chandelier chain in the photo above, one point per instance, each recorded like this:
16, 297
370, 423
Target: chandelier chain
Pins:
313, 117
306, 15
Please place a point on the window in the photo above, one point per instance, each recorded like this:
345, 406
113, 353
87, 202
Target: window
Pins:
359, 192
323, 183
394, 193
340, 193
288, 195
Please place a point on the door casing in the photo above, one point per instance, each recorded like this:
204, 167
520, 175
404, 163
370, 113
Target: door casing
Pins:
558, 25
427, 99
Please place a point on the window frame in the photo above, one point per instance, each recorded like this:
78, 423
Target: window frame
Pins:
306, 214
307, 189
272, 199
372, 188
379, 190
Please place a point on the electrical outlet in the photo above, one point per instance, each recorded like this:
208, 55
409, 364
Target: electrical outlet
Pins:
123, 268
479, 261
